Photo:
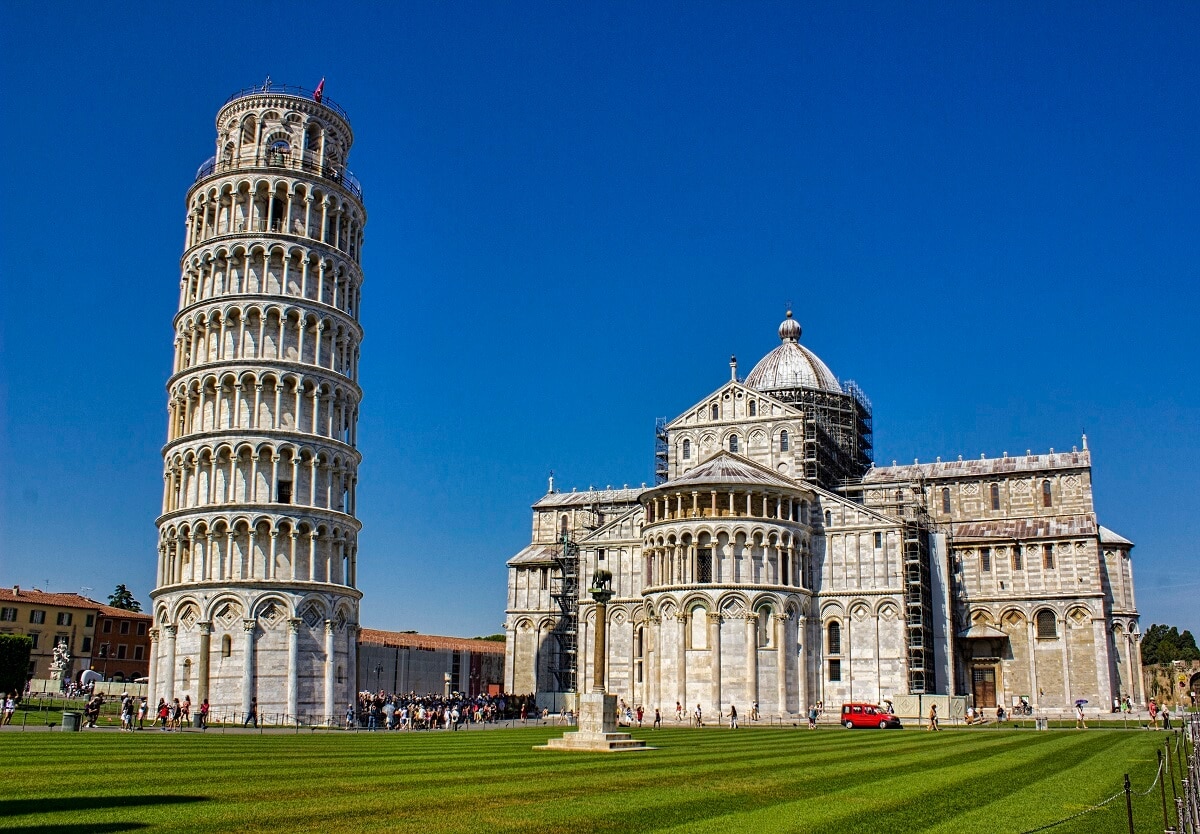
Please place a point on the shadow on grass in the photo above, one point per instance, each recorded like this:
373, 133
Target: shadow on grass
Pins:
100, 828
53, 804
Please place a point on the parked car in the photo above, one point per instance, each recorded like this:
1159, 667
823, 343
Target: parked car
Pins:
868, 715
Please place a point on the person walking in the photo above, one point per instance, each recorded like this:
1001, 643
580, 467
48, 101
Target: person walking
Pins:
933, 719
1166, 714
657, 719
1080, 720
640, 713
678, 712
733, 721
143, 707
252, 715
699, 716
812, 717
10, 706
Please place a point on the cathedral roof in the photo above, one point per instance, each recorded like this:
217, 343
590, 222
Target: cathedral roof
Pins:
728, 468
791, 365
591, 496
1109, 537
1021, 529
977, 468
534, 554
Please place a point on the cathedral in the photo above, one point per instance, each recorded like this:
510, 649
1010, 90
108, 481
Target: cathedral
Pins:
773, 563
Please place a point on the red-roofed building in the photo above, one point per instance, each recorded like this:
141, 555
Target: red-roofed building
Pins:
77, 621
427, 664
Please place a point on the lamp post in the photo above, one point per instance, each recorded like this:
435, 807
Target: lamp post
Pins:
378, 673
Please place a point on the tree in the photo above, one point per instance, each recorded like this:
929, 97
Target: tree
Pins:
14, 661
1162, 644
122, 597
494, 638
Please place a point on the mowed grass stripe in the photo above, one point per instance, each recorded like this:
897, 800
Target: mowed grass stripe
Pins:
775, 779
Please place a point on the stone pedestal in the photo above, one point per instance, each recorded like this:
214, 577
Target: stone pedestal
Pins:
597, 729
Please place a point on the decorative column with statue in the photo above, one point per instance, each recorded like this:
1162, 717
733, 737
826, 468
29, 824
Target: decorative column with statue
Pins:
597, 709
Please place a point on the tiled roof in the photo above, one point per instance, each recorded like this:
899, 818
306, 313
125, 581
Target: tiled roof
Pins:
977, 468
591, 496
109, 611
1109, 537
396, 639
36, 597
727, 468
1022, 529
534, 554
43, 598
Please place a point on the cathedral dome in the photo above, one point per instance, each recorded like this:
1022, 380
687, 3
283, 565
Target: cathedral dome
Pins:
791, 365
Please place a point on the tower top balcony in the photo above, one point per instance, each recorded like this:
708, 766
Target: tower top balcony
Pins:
274, 160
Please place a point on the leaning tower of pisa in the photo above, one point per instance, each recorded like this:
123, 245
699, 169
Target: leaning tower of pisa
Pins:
255, 599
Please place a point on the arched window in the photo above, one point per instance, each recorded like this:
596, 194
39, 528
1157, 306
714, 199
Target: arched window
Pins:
946, 500
828, 518
1016, 558
753, 408
687, 449
834, 638
1047, 495
278, 153
715, 411
562, 527
985, 559
995, 496
1048, 557
733, 442
784, 443
1047, 625
226, 645
698, 628
764, 626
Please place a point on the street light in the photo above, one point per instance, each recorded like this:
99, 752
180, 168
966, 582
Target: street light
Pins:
378, 674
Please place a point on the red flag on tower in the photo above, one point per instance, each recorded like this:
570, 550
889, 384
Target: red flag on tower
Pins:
319, 92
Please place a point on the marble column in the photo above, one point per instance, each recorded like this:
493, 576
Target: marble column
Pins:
330, 667
169, 682
248, 627
293, 626
714, 647
152, 685
801, 662
751, 660
205, 649
681, 621
782, 651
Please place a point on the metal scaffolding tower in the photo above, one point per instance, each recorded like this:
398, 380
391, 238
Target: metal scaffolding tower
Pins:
564, 591
660, 451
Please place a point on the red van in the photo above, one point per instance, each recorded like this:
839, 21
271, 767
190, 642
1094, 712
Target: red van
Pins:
868, 715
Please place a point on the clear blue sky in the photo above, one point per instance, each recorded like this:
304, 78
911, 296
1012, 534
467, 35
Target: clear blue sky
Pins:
986, 214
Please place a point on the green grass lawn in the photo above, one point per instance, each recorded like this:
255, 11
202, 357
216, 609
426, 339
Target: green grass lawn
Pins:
713, 780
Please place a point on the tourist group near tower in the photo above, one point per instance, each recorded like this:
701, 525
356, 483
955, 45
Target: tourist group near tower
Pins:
771, 564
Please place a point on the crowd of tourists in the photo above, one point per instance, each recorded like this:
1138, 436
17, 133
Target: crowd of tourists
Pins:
396, 711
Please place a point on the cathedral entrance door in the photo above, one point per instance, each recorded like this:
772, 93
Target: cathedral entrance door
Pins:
983, 682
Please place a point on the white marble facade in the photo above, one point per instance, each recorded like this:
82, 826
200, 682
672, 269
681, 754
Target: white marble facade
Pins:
256, 598
741, 579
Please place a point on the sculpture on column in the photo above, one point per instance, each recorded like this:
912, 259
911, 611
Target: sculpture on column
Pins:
60, 663
598, 710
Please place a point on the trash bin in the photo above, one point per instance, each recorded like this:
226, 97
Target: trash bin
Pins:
1043, 724
72, 722
198, 721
